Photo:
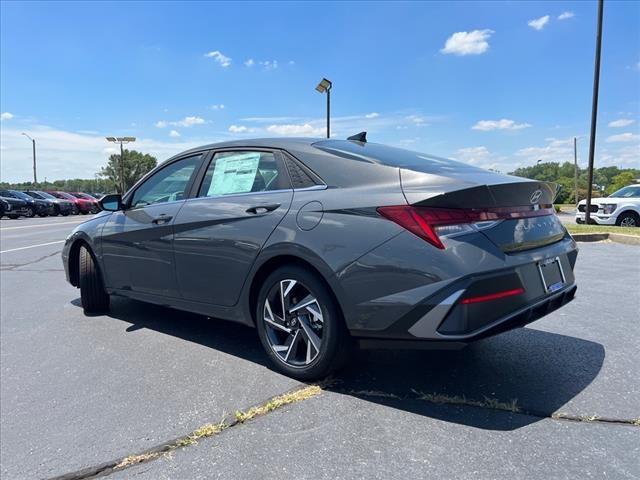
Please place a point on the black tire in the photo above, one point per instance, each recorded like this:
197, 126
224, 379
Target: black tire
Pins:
56, 211
94, 297
64, 214
42, 215
336, 343
30, 212
628, 219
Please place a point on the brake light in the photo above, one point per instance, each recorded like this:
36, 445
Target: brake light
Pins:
428, 222
493, 296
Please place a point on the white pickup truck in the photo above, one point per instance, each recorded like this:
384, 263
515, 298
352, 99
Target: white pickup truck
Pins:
621, 208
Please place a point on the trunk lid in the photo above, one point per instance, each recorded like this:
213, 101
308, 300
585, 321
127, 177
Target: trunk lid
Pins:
536, 224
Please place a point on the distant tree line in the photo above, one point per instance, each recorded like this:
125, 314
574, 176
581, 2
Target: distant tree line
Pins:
136, 165
606, 179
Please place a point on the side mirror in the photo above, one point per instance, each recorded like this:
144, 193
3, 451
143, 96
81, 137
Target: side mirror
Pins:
111, 203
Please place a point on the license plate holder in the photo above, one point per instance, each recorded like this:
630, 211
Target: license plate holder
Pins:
552, 275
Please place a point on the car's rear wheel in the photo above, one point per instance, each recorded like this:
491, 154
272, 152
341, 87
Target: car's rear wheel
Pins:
300, 325
30, 212
628, 219
92, 293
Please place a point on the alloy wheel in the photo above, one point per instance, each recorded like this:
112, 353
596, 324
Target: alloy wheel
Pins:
628, 221
294, 323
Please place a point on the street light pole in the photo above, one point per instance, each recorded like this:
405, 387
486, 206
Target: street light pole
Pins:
121, 141
33, 143
594, 112
325, 87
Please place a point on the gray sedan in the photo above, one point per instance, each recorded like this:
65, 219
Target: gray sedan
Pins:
322, 243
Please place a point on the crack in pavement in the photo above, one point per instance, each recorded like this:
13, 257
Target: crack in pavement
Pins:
295, 395
305, 392
489, 403
12, 266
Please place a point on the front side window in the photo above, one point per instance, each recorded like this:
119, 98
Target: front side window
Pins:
231, 173
167, 185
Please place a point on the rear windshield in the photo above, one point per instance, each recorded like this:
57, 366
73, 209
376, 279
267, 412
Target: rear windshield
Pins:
393, 157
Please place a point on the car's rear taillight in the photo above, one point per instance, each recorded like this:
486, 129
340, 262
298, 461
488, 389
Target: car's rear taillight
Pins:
430, 223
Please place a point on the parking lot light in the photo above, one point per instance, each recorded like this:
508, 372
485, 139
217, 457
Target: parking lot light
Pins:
33, 142
325, 86
121, 141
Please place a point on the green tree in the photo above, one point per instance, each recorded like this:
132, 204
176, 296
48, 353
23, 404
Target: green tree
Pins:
136, 165
621, 180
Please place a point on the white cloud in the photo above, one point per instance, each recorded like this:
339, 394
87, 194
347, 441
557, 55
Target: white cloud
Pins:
291, 62
269, 65
503, 124
295, 129
219, 57
240, 129
372, 115
185, 122
219, 106
556, 150
623, 137
539, 23
623, 122
473, 155
566, 15
65, 154
250, 62
6, 116
468, 43
418, 120
174, 133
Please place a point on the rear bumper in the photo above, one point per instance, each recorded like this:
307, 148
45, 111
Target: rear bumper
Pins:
416, 302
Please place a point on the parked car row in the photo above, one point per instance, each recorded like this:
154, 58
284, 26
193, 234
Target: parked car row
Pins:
29, 203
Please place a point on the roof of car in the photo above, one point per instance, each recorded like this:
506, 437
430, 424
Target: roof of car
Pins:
279, 142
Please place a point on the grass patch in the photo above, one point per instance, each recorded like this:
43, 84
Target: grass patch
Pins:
576, 228
277, 402
487, 402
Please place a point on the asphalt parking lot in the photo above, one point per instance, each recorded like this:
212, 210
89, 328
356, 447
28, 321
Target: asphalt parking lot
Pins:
79, 391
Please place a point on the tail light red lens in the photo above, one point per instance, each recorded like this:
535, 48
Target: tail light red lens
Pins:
424, 221
493, 296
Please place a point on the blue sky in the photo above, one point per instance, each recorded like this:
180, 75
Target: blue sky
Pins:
498, 85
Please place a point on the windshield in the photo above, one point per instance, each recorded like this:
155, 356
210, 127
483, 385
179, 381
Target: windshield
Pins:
394, 157
46, 195
627, 192
24, 196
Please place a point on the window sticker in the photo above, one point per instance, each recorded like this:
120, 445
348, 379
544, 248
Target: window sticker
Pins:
234, 174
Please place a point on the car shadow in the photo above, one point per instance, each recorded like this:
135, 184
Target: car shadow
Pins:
531, 371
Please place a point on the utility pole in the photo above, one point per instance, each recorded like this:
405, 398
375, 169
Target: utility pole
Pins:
33, 143
594, 112
575, 165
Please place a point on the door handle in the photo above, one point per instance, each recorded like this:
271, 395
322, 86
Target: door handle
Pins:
161, 219
262, 209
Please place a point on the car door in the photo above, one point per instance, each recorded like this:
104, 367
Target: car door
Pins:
136, 242
242, 197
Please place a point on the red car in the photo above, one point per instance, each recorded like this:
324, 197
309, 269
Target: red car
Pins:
80, 205
91, 198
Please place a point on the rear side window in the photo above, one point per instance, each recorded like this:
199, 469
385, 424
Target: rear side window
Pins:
232, 173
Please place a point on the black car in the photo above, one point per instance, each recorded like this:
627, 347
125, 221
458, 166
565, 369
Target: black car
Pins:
59, 206
34, 206
18, 206
5, 207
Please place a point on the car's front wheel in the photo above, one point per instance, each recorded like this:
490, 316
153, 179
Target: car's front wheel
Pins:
300, 324
30, 212
628, 219
92, 293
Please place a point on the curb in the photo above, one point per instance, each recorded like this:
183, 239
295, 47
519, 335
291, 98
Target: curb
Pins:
614, 237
